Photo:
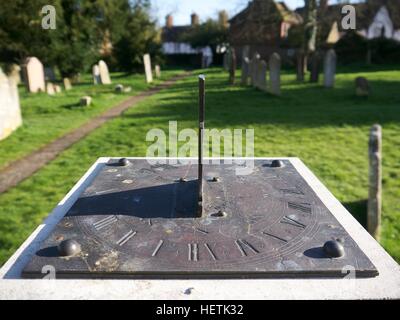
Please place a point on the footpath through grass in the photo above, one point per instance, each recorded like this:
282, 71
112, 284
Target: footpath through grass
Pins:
327, 129
46, 118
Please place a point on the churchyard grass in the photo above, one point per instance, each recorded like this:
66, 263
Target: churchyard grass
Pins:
45, 117
327, 128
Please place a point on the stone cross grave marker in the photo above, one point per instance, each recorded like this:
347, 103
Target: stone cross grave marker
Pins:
147, 68
34, 75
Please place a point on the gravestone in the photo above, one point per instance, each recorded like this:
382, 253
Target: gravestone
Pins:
245, 78
49, 74
232, 67
300, 67
157, 71
245, 52
315, 67
147, 68
57, 88
119, 88
85, 101
67, 84
375, 181
275, 74
261, 80
96, 74
50, 89
34, 75
329, 69
226, 60
15, 73
10, 112
254, 64
362, 87
104, 73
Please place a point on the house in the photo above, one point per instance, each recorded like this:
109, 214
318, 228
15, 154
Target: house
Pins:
263, 27
178, 52
374, 19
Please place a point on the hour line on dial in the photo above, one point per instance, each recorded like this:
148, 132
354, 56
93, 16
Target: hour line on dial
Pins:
292, 222
193, 250
243, 243
275, 237
104, 222
126, 238
292, 191
201, 231
304, 207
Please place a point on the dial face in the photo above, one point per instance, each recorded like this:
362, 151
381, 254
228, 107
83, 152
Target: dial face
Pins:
142, 220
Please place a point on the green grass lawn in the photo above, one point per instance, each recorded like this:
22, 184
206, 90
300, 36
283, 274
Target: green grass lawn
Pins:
49, 117
328, 129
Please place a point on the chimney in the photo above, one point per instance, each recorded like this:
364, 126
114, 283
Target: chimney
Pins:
323, 4
223, 18
169, 21
195, 20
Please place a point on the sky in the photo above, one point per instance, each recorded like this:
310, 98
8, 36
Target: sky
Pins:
182, 9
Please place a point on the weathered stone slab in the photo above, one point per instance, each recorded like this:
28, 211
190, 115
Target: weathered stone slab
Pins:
104, 73
85, 101
362, 87
10, 112
50, 89
96, 74
254, 63
67, 84
147, 68
261, 80
245, 79
275, 74
232, 66
330, 69
34, 75
157, 71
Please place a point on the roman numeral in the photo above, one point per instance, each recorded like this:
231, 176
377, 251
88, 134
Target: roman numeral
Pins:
210, 251
304, 207
126, 238
104, 222
292, 222
241, 244
193, 251
160, 243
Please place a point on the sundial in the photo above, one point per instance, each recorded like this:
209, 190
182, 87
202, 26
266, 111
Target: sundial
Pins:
198, 220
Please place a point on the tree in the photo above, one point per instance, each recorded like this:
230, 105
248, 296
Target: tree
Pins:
141, 36
211, 33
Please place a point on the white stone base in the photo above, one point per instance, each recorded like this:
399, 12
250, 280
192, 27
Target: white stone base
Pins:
384, 286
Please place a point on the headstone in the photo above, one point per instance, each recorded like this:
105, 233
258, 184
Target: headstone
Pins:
226, 61
57, 88
157, 71
50, 89
315, 66
245, 72
254, 69
49, 74
10, 112
96, 74
104, 73
15, 73
362, 87
261, 80
147, 68
119, 88
85, 101
127, 89
300, 66
34, 75
67, 84
245, 52
329, 69
275, 74
232, 67
375, 181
